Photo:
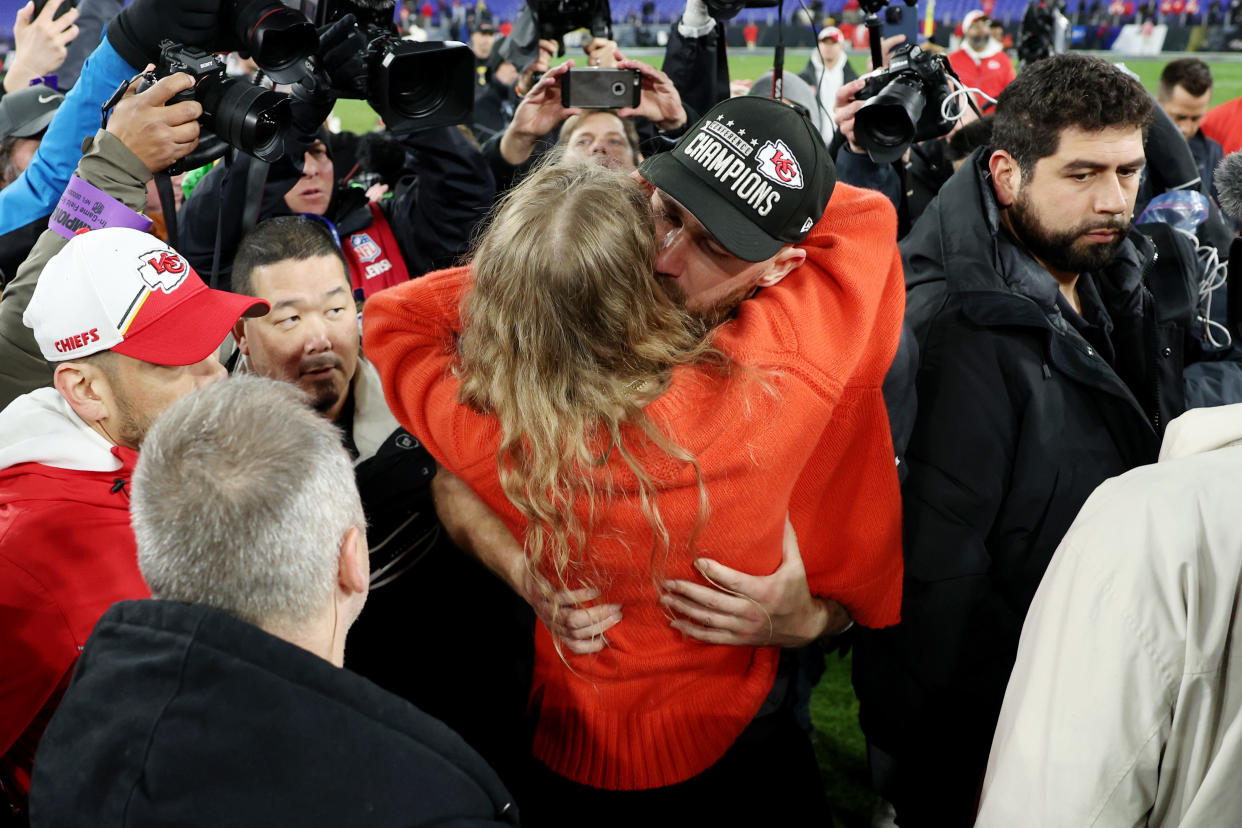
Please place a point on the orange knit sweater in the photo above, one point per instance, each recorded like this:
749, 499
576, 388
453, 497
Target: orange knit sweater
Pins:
655, 708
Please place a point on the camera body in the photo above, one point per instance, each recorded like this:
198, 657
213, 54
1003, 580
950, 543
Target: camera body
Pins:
556, 18
903, 103
236, 111
594, 87
411, 85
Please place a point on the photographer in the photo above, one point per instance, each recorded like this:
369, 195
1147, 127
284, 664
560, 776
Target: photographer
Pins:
444, 191
658, 118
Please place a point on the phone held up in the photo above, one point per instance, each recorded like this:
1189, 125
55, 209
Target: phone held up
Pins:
594, 87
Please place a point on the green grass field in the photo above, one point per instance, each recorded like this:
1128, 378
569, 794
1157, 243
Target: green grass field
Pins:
834, 709
356, 116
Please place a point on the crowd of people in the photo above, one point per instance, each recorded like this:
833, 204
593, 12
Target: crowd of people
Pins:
523, 471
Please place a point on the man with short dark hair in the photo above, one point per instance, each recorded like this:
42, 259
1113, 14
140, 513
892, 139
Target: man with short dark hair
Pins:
1044, 370
222, 701
1185, 94
310, 339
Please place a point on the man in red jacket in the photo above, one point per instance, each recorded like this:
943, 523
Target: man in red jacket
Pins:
130, 329
981, 62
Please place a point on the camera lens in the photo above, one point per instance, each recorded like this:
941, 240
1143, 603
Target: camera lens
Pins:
884, 125
618, 89
249, 117
277, 37
420, 85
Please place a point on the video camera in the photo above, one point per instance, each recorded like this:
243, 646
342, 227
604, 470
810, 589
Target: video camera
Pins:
411, 85
904, 103
556, 18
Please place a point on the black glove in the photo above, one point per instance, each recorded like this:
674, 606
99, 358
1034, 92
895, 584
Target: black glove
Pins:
136, 32
342, 57
340, 64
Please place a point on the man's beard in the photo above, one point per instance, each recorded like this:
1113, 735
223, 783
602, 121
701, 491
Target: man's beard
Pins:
718, 313
132, 422
1065, 250
978, 43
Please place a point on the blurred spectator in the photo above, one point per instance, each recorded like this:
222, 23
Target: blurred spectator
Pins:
24, 117
1124, 707
980, 61
130, 328
1185, 93
482, 38
827, 71
40, 44
1223, 124
221, 701
794, 90
497, 99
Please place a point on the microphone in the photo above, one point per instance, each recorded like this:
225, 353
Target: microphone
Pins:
1229, 185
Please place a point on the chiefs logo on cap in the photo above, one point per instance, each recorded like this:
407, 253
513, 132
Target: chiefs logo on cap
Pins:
778, 164
163, 269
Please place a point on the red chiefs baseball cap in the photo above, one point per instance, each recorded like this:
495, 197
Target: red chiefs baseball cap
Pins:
122, 290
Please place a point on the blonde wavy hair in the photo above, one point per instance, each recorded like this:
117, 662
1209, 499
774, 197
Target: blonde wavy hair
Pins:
565, 337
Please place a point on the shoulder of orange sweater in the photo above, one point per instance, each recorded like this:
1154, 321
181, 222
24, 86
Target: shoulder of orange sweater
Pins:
842, 308
430, 300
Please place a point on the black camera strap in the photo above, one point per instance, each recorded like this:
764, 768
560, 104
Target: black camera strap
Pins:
168, 204
256, 180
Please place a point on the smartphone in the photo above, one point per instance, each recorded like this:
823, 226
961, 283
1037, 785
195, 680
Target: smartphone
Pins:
64, 7
904, 20
594, 87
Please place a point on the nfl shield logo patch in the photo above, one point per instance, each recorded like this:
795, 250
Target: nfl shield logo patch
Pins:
364, 248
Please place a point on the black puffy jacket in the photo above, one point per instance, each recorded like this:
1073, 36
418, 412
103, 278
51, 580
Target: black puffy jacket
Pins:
1019, 419
182, 715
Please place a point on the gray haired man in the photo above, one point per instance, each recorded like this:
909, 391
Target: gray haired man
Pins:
221, 701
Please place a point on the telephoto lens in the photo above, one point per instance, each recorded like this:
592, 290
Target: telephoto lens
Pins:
884, 126
246, 116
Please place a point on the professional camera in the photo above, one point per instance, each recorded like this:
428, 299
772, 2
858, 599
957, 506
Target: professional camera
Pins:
278, 38
556, 18
411, 85
236, 111
904, 103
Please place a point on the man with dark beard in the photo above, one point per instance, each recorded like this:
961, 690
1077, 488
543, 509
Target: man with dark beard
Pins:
1042, 373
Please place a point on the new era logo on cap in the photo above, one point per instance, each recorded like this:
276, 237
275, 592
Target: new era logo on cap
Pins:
120, 289
755, 173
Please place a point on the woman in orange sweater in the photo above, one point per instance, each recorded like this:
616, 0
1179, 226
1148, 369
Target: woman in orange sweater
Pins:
620, 439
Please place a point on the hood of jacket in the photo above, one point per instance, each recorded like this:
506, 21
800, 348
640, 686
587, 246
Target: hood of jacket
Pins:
40, 427
1201, 430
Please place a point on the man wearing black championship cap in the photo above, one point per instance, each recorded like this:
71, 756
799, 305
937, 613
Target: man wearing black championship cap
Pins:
745, 199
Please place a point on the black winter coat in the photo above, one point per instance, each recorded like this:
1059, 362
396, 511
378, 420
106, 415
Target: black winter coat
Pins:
1019, 419
183, 715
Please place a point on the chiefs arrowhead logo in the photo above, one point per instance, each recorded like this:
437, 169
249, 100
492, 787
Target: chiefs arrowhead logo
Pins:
778, 164
163, 269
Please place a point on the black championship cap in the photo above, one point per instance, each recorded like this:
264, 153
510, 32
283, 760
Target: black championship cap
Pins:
25, 113
753, 171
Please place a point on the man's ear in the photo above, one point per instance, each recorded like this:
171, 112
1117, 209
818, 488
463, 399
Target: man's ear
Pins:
1006, 177
239, 336
354, 571
783, 263
85, 388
